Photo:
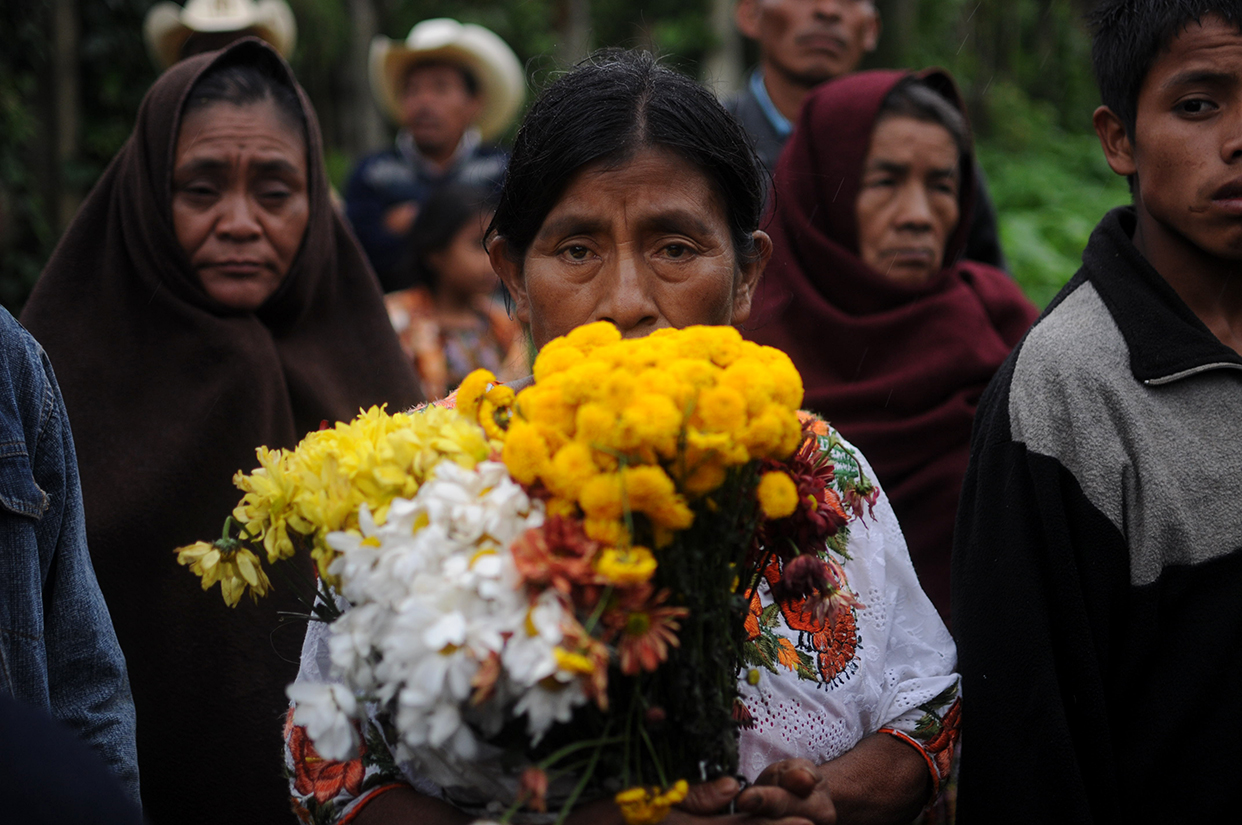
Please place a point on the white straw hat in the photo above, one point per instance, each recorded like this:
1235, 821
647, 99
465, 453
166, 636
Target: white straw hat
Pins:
502, 85
168, 25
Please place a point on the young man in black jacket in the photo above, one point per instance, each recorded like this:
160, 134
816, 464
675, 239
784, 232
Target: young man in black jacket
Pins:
1098, 558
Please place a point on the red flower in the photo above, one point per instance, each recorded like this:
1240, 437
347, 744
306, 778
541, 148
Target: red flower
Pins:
742, 715
533, 789
315, 775
559, 553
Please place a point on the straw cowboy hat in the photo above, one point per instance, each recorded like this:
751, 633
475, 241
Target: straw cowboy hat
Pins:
502, 85
168, 25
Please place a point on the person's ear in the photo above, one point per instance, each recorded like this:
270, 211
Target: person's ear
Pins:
1117, 145
509, 270
746, 17
871, 37
752, 270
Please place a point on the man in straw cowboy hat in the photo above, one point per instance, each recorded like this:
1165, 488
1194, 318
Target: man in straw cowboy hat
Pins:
449, 87
173, 33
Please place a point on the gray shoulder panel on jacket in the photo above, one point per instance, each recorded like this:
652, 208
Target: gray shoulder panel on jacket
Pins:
1163, 464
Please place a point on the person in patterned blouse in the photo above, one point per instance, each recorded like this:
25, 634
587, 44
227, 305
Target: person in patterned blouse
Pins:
449, 323
634, 197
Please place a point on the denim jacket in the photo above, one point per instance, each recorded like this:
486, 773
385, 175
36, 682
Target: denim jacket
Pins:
58, 650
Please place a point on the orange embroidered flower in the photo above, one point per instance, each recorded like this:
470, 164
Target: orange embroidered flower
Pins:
941, 745
318, 776
752, 617
786, 654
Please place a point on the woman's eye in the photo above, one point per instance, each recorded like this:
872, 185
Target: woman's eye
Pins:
676, 250
576, 252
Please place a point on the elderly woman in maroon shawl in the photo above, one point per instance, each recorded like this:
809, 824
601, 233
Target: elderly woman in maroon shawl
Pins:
896, 336
206, 300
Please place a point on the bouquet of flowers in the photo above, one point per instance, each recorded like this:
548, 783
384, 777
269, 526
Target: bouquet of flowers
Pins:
539, 595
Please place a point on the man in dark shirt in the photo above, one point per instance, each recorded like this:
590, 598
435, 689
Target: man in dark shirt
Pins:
803, 43
449, 87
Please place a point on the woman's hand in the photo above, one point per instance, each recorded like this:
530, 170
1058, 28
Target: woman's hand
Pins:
791, 790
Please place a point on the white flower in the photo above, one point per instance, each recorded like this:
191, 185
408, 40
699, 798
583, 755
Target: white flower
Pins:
326, 710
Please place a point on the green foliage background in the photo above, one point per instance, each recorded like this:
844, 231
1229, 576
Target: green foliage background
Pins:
1023, 66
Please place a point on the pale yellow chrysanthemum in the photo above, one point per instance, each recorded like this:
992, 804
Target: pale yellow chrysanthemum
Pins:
234, 567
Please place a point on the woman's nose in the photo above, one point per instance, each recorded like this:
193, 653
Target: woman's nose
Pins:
913, 208
238, 220
627, 301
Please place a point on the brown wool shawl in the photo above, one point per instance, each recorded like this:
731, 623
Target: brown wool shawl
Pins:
897, 369
169, 393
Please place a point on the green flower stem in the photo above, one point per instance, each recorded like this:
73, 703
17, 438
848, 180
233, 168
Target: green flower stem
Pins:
586, 777
574, 747
655, 758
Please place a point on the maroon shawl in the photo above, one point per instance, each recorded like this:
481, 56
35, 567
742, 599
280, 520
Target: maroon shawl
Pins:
169, 393
897, 369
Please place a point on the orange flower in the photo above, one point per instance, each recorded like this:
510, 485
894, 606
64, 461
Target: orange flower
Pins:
557, 553
533, 789
315, 775
645, 635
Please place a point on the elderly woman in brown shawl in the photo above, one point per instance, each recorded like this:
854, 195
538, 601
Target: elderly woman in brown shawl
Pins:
206, 300
894, 333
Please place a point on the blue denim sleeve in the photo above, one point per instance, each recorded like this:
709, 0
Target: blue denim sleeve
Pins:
58, 649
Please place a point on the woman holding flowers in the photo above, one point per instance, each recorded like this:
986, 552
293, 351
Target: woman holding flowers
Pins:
633, 198
206, 300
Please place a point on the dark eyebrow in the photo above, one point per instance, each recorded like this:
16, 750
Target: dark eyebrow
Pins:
276, 166
889, 166
194, 167
677, 220
1200, 77
570, 225
670, 220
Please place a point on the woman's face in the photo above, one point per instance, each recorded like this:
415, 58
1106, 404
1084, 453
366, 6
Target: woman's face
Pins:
644, 245
239, 199
907, 205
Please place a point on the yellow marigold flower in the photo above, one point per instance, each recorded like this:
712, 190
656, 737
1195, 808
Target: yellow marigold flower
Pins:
642, 806
618, 389
601, 497
787, 387
590, 336
606, 531
691, 373
719, 409
471, 391
572, 467
750, 377
596, 425
554, 360
525, 452
774, 433
546, 407
651, 420
626, 566
582, 381
235, 568
778, 495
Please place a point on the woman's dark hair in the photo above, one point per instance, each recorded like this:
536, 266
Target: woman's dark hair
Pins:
912, 97
247, 76
439, 220
611, 106
1129, 34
